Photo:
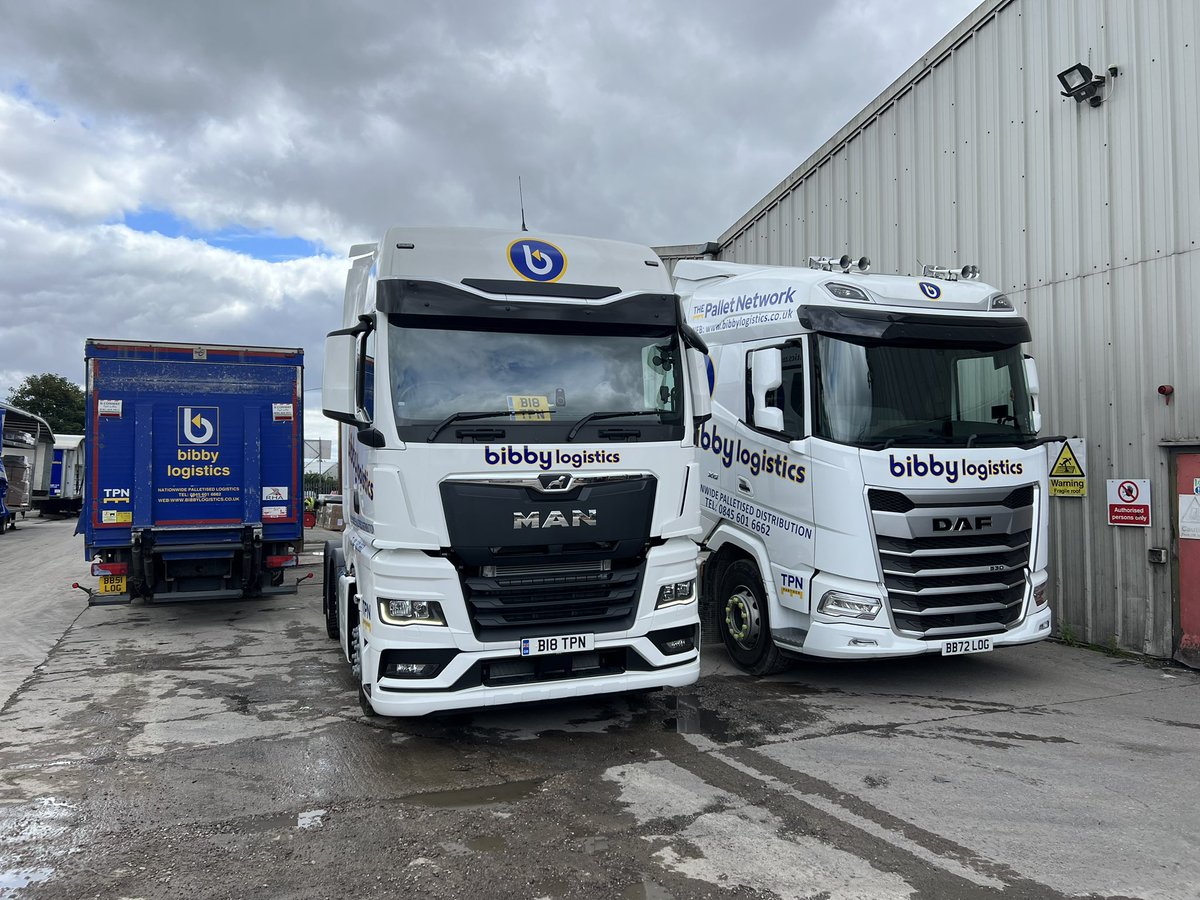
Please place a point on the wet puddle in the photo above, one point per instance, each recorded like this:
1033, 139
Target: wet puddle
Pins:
468, 798
11, 880
690, 717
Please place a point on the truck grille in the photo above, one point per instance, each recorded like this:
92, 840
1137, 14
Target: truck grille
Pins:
954, 563
512, 602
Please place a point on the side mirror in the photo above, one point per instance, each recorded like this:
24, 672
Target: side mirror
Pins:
1031, 383
698, 367
766, 374
339, 382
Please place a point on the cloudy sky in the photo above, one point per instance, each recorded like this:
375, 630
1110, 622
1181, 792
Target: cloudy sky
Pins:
196, 171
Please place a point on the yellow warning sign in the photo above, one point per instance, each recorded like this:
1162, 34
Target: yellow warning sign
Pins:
1067, 475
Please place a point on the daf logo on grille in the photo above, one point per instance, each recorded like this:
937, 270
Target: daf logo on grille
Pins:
553, 483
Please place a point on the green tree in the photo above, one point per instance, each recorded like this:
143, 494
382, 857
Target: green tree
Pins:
56, 399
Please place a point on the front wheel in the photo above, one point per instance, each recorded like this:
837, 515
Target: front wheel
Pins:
333, 570
744, 622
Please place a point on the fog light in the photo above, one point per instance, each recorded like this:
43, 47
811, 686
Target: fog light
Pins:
678, 645
849, 606
410, 670
410, 612
675, 594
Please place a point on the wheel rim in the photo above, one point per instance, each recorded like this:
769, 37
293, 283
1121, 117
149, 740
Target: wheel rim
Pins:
743, 618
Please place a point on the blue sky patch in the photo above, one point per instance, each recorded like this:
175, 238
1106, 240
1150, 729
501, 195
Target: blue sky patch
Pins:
262, 244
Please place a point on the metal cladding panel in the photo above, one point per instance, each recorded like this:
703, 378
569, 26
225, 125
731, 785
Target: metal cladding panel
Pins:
1088, 216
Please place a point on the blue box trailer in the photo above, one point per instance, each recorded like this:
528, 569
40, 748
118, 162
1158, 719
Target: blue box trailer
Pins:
193, 476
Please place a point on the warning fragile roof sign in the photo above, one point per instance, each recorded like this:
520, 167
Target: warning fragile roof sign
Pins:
1068, 472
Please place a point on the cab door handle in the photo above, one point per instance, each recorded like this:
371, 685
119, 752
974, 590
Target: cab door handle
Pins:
744, 486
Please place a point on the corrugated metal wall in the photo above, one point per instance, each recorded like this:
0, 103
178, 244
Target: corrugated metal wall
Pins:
1088, 216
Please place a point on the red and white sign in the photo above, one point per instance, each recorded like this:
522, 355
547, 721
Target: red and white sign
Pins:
1129, 501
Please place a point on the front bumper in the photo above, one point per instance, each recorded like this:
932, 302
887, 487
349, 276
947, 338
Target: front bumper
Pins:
845, 640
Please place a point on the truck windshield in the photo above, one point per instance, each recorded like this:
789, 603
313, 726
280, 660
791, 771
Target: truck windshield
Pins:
536, 384
873, 394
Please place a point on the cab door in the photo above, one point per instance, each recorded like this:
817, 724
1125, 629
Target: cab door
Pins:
773, 471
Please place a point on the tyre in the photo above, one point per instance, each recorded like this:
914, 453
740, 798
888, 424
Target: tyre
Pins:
333, 569
743, 621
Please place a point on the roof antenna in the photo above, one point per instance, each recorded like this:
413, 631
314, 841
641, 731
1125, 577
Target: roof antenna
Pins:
521, 192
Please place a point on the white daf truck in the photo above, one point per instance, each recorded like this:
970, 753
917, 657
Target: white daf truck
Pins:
521, 492
872, 481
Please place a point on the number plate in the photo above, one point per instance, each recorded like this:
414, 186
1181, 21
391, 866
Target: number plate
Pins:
558, 643
966, 645
112, 584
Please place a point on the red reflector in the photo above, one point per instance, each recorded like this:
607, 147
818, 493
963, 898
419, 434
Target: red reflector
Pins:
282, 562
110, 568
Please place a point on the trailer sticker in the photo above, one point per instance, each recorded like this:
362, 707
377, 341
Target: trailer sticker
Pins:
537, 260
275, 493
116, 517
281, 412
109, 408
199, 426
274, 512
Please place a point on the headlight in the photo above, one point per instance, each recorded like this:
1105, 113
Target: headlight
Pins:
849, 606
410, 612
676, 594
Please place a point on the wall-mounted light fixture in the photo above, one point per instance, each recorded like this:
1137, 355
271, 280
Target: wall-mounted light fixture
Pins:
1079, 82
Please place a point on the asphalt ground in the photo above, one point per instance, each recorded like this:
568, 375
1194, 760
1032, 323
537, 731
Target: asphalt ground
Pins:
217, 750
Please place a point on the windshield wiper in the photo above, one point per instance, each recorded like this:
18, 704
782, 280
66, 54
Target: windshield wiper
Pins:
593, 416
460, 416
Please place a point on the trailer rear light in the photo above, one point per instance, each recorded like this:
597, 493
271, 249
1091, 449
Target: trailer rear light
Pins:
282, 562
110, 568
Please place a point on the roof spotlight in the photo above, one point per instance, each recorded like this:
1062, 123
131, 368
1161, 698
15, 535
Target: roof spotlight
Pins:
844, 262
970, 271
864, 264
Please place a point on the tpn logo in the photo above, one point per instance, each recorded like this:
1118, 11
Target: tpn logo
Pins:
199, 426
537, 260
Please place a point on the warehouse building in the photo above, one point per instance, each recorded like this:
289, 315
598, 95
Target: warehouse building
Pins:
1057, 147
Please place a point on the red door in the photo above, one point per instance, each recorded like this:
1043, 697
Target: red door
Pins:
1187, 483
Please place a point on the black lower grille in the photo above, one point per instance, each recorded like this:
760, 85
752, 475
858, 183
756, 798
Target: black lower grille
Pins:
507, 603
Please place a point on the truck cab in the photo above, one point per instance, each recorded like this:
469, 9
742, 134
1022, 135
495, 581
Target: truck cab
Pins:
872, 482
520, 488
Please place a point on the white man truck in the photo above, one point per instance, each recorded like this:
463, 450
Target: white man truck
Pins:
521, 494
872, 480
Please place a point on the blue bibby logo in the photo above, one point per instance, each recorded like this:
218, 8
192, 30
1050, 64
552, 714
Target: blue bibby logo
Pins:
537, 260
199, 426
